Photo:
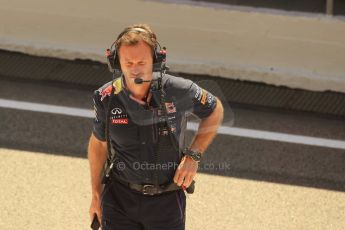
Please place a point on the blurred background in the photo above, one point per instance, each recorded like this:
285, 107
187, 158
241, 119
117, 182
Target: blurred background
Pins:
278, 161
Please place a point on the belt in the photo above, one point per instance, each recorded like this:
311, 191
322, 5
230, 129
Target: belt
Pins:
150, 189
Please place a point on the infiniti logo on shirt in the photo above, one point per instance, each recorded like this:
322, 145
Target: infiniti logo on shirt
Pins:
116, 111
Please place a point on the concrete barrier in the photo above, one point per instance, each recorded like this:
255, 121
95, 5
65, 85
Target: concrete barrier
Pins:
306, 52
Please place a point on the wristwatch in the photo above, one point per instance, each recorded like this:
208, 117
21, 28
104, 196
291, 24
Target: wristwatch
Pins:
195, 155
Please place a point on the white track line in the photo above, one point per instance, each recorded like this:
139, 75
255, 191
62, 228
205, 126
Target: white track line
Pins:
45, 108
241, 132
275, 136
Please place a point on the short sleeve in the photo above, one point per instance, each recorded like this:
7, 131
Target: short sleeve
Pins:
203, 102
191, 98
99, 120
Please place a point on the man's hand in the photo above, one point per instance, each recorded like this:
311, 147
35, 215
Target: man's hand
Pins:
95, 208
97, 155
186, 172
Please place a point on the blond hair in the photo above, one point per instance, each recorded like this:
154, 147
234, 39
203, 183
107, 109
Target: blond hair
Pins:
133, 34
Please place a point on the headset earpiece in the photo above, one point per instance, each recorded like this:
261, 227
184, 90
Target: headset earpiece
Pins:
110, 60
159, 59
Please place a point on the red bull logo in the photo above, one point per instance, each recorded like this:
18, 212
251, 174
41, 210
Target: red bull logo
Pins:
105, 92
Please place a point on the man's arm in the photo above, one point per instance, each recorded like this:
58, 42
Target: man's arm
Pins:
208, 129
206, 132
97, 155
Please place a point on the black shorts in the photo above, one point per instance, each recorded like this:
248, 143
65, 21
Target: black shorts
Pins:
126, 209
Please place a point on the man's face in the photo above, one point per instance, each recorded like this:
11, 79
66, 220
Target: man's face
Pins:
136, 61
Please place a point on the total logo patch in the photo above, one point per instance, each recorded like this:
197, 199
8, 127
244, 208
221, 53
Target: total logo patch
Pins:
119, 117
120, 121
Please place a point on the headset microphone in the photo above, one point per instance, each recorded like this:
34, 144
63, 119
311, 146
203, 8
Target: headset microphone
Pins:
140, 81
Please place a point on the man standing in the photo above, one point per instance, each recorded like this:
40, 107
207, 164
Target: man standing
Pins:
141, 119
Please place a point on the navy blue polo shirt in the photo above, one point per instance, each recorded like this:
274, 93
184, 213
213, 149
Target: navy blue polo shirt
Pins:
134, 128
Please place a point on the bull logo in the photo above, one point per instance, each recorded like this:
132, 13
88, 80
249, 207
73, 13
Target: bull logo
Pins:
105, 92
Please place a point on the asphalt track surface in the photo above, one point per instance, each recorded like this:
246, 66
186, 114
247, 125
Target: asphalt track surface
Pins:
244, 183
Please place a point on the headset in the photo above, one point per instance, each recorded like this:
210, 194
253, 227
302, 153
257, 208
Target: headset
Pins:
159, 53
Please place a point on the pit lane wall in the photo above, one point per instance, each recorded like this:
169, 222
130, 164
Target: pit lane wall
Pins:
303, 51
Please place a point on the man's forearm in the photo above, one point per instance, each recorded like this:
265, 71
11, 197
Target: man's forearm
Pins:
97, 155
208, 129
